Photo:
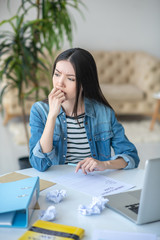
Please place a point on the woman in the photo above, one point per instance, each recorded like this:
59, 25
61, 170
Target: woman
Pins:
77, 124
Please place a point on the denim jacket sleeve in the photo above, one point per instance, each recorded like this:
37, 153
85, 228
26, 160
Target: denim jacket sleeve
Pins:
122, 146
39, 160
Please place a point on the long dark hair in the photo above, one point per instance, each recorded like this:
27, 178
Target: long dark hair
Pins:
86, 75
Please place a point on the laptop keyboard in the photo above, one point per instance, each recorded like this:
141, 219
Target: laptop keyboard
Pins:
133, 207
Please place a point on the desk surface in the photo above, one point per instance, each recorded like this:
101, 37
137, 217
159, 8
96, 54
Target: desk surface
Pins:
67, 210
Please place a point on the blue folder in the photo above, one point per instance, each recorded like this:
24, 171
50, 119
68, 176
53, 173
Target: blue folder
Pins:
17, 202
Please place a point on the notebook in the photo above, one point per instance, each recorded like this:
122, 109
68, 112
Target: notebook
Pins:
141, 206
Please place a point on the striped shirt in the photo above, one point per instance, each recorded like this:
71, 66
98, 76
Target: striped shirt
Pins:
77, 141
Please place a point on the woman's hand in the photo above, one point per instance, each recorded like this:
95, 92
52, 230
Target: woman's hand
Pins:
90, 164
55, 99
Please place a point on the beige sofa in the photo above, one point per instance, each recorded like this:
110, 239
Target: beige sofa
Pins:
127, 79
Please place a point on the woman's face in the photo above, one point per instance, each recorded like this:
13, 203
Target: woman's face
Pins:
64, 78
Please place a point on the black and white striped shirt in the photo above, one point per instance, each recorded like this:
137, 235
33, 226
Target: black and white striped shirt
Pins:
77, 142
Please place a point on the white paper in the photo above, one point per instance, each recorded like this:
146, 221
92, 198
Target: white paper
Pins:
113, 235
95, 207
49, 214
7, 218
55, 195
93, 184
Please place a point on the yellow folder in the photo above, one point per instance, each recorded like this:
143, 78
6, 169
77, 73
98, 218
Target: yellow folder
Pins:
53, 231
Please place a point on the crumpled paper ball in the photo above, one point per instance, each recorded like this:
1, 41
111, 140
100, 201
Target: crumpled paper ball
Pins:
96, 206
48, 214
56, 196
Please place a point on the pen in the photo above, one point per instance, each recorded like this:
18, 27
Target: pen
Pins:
72, 164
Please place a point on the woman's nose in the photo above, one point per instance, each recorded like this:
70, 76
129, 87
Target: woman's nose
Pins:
61, 81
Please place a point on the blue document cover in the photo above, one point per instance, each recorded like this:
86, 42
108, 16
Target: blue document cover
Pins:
17, 202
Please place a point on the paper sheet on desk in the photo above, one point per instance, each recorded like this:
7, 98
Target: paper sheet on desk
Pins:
93, 184
113, 235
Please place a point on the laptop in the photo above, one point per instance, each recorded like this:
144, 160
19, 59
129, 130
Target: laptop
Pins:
141, 206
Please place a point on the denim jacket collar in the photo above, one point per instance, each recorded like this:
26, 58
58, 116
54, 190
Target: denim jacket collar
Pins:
89, 109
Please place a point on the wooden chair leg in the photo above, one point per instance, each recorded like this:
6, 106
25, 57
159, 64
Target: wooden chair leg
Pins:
155, 114
7, 117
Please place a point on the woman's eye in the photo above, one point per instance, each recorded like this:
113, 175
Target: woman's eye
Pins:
71, 79
56, 74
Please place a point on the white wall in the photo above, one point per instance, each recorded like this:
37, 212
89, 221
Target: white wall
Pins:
114, 25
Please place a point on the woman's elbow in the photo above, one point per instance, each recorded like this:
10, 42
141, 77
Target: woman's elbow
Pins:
38, 164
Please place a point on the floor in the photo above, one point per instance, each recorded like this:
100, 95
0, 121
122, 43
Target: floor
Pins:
10, 152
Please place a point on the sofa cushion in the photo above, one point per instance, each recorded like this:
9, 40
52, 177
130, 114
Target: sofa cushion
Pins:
122, 92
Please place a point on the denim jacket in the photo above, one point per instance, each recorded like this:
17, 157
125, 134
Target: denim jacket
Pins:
103, 131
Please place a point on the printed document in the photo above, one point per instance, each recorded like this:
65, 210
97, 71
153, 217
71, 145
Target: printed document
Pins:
93, 184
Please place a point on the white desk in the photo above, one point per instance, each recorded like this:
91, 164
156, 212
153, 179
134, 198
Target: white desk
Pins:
67, 210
